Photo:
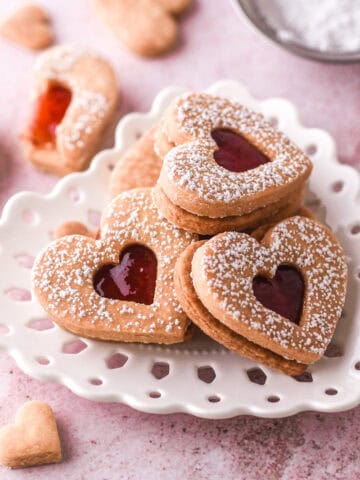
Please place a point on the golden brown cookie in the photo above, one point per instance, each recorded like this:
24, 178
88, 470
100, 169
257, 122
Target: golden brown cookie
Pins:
32, 440
73, 108
201, 172
213, 328
283, 208
29, 26
285, 294
119, 287
147, 27
138, 167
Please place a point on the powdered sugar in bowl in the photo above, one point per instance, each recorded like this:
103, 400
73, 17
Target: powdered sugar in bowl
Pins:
325, 30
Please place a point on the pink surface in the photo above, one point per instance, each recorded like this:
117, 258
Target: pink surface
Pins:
110, 441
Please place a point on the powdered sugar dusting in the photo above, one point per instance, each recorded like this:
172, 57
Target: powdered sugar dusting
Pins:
231, 262
63, 274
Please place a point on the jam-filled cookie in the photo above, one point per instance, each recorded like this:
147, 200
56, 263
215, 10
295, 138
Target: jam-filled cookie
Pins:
119, 287
222, 161
138, 167
277, 302
76, 96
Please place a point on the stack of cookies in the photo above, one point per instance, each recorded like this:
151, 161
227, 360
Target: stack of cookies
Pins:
264, 278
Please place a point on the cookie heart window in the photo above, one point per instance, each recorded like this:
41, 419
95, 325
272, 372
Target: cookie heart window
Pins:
118, 287
72, 109
235, 153
283, 293
132, 279
50, 109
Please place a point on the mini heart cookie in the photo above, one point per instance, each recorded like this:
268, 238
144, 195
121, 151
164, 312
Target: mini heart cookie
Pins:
119, 287
32, 440
147, 27
29, 26
284, 294
73, 108
222, 160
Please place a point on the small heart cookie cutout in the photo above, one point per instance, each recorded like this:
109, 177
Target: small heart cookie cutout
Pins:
238, 281
32, 440
29, 26
119, 287
147, 27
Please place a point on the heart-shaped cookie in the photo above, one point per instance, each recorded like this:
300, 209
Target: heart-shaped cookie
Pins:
147, 27
29, 26
73, 108
74, 276
269, 166
228, 269
32, 440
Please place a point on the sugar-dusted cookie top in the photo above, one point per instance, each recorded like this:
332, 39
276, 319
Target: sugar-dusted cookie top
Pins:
230, 275
119, 287
73, 108
197, 130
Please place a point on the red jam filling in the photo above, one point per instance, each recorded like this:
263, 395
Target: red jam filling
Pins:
235, 153
283, 294
133, 279
49, 112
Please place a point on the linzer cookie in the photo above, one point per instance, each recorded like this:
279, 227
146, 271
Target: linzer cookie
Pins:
147, 27
138, 167
220, 161
119, 287
73, 107
277, 301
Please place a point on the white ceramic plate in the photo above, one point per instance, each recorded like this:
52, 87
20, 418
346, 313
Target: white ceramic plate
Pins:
201, 377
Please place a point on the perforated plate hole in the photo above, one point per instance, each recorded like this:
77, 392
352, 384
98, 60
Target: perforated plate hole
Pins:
94, 217
154, 394
75, 194
311, 149
42, 360
357, 366
40, 324
338, 186
355, 229
111, 166
74, 347
4, 329
95, 381
274, 121
30, 217
117, 360
331, 391
214, 399
334, 350
256, 375
206, 374
273, 399
25, 260
18, 294
160, 370
305, 377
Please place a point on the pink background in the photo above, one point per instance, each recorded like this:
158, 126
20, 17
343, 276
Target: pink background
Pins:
111, 441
